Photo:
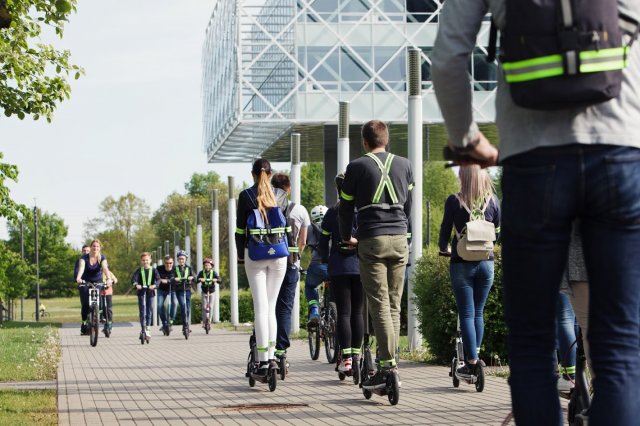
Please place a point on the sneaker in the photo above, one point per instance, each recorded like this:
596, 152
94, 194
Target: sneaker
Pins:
466, 370
565, 385
148, 331
83, 329
377, 381
110, 326
314, 314
263, 369
345, 365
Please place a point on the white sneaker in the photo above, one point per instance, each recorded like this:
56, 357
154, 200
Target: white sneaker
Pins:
565, 385
345, 365
148, 331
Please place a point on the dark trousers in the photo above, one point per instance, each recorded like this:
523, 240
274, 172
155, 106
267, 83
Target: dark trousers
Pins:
284, 307
145, 307
84, 302
349, 297
108, 310
544, 191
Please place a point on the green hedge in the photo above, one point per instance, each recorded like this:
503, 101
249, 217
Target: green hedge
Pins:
245, 307
437, 309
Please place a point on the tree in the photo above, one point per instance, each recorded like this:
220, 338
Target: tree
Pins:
56, 256
8, 208
439, 183
312, 185
34, 76
16, 275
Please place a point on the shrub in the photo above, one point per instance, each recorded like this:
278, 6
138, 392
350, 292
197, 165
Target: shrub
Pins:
437, 309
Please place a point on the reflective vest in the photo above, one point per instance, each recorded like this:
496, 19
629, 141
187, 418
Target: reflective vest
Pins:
385, 183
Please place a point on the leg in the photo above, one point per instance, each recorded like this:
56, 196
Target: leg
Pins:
580, 302
149, 313
284, 307
276, 270
162, 295
357, 314
315, 276
187, 296
566, 336
84, 303
462, 278
342, 292
611, 238
173, 308
373, 273
141, 308
257, 277
109, 300
397, 258
180, 298
482, 285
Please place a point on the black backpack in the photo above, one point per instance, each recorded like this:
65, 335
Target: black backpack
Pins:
559, 54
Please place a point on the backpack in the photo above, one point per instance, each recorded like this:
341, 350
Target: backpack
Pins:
560, 54
475, 241
266, 240
294, 253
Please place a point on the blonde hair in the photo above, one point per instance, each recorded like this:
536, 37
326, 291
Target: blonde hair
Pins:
265, 197
475, 186
99, 258
145, 254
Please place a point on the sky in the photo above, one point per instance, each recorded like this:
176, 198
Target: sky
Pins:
134, 121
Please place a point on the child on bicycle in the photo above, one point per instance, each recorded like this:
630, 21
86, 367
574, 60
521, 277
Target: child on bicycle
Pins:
207, 279
145, 279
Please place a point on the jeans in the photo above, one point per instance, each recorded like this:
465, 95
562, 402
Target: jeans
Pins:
566, 329
172, 308
383, 260
145, 307
316, 275
284, 307
107, 311
545, 190
184, 299
471, 283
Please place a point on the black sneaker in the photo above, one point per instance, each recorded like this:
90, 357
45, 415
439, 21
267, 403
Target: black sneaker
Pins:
263, 369
467, 370
377, 381
83, 329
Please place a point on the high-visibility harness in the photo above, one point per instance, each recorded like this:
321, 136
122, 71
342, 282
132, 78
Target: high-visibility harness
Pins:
146, 280
385, 182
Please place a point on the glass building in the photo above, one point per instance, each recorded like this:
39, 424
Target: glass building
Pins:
271, 67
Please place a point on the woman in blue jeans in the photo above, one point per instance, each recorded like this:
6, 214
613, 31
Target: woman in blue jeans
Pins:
470, 280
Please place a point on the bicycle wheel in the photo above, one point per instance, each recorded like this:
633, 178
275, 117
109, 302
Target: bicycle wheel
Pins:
313, 334
331, 334
93, 325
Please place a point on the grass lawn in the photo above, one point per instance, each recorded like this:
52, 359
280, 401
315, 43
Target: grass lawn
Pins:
28, 352
28, 407
67, 309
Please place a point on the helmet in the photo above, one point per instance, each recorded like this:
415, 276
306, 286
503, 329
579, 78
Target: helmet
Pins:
317, 214
207, 260
182, 253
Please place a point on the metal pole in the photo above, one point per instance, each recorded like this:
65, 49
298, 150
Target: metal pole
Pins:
176, 245
296, 174
35, 223
233, 256
199, 258
166, 247
22, 257
156, 312
343, 136
187, 241
215, 250
415, 157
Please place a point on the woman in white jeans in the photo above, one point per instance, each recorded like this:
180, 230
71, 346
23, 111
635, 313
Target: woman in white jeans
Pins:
265, 276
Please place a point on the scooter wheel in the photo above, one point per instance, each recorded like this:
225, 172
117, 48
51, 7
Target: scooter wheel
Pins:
366, 393
273, 379
252, 382
282, 365
393, 388
141, 339
341, 376
479, 377
355, 371
454, 378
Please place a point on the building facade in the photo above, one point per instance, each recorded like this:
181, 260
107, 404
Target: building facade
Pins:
271, 67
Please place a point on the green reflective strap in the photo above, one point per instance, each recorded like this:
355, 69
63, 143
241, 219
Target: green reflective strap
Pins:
390, 188
240, 231
312, 302
612, 52
498, 230
146, 281
355, 351
262, 349
617, 64
280, 351
411, 186
272, 344
534, 75
346, 351
325, 232
568, 370
267, 231
388, 363
287, 229
294, 250
182, 277
346, 196
534, 62
385, 180
408, 234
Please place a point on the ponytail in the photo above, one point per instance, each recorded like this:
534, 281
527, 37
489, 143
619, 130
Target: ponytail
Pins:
265, 195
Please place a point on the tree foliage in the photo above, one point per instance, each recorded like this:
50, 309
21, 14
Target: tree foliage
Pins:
34, 76
16, 275
312, 185
8, 208
439, 183
56, 257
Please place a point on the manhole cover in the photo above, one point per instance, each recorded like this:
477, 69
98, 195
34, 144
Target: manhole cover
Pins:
253, 407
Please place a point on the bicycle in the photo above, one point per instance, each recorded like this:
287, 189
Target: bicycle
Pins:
95, 306
325, 328
43, 314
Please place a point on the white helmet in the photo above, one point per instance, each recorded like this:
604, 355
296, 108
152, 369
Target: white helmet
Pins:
317, 214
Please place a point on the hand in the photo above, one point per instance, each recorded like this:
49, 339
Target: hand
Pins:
79, 280
191, 278
138, 287
153, 287
350, 242
483, 154
164, 281
201, 280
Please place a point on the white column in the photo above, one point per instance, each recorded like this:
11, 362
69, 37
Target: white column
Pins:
233, 256
415, 157
199, 258
215, 250
296, 174
343, 137
176, 246
187, 241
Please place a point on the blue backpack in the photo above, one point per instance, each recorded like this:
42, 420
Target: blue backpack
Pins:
266, 241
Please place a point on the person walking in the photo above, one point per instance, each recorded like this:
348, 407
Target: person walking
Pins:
298, 219
471, 280
561, 161
265, 276
378, 186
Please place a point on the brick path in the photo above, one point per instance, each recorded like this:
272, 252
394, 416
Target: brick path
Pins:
173, 381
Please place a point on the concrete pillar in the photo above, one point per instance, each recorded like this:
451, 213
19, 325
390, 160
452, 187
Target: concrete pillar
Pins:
343, 138
215, 250
295, 197
233, 256
199, 257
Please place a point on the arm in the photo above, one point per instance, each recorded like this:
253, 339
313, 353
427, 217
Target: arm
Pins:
241, 225
302, 239
135, 279
156, 278
105, 268
80, 271
496, 217
447, 224
408, 203
347, 203
325, 236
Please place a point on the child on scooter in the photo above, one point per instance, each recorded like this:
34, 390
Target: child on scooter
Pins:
207, 278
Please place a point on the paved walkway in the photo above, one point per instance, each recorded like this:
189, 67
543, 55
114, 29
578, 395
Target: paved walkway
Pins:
201, 381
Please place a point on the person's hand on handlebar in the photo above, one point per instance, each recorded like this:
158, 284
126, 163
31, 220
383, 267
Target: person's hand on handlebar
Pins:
138, 287
479, 151
351, 242
79, 281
